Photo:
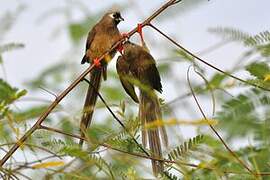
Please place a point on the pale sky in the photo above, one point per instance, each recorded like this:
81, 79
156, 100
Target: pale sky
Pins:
190, 29
42, 48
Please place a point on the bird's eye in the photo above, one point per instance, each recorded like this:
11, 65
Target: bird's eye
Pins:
116, 15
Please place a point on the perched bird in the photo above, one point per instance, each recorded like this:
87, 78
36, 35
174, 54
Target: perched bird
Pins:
136, 63
100, 39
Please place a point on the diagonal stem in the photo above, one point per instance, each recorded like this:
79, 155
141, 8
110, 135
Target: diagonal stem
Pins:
213, 129
43, 117
75, 83
116, 118
148, 157
205, 62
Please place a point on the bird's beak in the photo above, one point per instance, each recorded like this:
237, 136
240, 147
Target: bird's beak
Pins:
121, 18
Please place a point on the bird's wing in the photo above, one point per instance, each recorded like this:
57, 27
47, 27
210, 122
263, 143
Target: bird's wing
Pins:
146, 70
89, 41
123, 71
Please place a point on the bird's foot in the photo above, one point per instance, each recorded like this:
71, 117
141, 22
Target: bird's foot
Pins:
120, 48
125, 36
97, 63
139, 30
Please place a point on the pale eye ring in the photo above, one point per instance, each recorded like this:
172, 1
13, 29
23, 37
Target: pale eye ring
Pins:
113, 15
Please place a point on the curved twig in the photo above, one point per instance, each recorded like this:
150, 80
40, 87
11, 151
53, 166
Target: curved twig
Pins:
213, 129
210, 88
205, 62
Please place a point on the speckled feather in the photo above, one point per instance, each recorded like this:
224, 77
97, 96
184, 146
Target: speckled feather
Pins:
100, 39
138, 63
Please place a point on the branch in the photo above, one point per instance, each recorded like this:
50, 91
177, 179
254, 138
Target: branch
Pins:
43, 117
23, 165
205, 62
213, 129
149, 157
33, 146
75, 83
116, 118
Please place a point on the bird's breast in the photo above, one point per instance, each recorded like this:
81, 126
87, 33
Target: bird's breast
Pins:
101, 44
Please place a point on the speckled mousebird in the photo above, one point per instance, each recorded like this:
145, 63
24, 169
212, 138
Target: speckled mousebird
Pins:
137, 63
100, 39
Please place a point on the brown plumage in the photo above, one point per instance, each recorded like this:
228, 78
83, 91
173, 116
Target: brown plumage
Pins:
137, 63
100, 39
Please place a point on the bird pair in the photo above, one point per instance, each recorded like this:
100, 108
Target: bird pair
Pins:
135, 63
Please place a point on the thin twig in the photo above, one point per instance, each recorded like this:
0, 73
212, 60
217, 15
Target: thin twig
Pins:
22, 165
7, 173
48, 91
213, 129
144, 156
43, 117
210, 88
33, 146
75, 83
116, 118
205, 62
21, 174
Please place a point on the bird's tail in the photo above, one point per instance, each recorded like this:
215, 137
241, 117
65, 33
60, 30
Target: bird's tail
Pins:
149, 111
90, 101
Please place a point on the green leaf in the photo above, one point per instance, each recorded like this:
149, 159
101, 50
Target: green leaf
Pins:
260, 82
212, 142
258, 69
217, 80
56, 145
98, 133
75, 152
77, 31
80, 29
239, 116
182, 54
164, 68
9, 18
258, 39
20, 93
10, 46
1, 59
66, 125
113, 93
170, 176
89, 159
29, 113
182, 150
231, 34
9, 94
264, 50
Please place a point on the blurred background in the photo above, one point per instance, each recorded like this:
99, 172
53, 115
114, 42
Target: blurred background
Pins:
42, 43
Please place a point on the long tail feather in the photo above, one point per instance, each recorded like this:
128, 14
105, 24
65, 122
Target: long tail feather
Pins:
90, 102
149, 111
158, 114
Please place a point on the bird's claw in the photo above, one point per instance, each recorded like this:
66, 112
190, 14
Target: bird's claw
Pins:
97, 63
125, 35
120, 48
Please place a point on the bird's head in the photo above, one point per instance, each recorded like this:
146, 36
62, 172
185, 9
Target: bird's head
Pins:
115, 17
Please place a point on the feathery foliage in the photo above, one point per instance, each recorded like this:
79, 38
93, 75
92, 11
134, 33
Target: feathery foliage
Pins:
180, 151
